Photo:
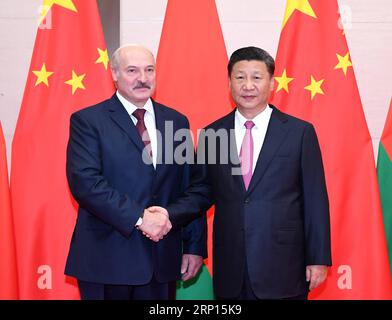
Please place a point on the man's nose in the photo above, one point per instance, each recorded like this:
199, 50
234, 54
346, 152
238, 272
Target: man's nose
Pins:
248, 84
142, 77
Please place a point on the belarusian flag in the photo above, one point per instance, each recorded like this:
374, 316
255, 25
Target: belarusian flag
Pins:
384, 171
316, 82
192, 78
8, 275
68, 71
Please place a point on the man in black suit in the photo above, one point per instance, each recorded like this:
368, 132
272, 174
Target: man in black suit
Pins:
114, 170
271, 235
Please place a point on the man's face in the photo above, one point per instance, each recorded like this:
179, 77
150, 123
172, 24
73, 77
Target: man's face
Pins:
135, 75
251, 85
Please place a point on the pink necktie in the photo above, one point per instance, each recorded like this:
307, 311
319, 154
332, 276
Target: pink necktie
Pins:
141, 128
246, 154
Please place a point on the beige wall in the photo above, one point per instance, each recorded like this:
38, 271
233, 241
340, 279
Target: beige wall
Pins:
18, 25
246, 22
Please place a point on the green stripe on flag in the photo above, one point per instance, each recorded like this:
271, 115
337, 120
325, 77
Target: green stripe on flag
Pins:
198, 288
384, 172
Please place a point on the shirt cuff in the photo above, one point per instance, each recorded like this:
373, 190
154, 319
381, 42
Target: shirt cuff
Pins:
139, 222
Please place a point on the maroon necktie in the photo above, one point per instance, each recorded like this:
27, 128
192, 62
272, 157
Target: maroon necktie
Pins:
246, 154
141, 128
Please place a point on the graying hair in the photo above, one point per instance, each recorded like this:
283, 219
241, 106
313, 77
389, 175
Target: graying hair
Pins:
115, 59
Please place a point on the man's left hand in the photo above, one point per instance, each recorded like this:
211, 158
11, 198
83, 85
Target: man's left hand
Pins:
190, 266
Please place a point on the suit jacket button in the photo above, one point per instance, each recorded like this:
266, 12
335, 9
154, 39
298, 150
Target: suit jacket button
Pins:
247, 200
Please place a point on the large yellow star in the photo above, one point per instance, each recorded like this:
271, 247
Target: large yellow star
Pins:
48, 4
300, 5
315, 86
344, 62
42, 75
283, 82
76, 81
103, 57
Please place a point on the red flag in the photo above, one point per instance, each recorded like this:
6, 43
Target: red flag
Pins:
192, 76
316, 82
8, 276
69, 70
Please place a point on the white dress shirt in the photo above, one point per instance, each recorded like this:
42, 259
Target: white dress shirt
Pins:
149, 121
258, 131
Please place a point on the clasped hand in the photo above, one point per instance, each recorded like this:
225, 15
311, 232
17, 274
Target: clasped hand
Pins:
156, 223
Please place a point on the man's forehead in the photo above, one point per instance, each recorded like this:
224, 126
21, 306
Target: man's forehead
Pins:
137, 59
138, 65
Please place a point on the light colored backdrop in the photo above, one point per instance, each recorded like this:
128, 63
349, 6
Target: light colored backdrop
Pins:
246, 22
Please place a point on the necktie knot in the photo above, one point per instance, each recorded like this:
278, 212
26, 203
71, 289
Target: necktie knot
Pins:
249, 124
139, 114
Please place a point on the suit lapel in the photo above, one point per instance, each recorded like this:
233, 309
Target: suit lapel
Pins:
274, 137
121, 117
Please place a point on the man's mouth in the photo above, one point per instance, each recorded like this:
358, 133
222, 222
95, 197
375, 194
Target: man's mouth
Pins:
142, 88
248, 98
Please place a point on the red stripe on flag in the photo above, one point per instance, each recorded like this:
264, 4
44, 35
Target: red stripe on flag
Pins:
386, 138
8, 274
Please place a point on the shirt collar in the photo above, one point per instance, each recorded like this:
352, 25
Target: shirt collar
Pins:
259, 120
130, 107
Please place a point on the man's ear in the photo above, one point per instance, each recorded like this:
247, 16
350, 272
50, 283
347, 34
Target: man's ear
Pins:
114, 74
272, 82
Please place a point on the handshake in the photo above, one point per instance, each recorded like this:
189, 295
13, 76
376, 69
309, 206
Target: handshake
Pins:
156, 223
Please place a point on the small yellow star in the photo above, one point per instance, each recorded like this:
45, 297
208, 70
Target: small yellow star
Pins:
48, 4
76, 82
103, 57
315, 87
283, 82
344, 63
300, 5
42, 76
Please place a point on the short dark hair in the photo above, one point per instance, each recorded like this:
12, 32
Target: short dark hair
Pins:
251, 53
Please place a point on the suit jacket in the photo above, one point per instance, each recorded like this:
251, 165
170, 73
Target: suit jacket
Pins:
113, 186
279, 225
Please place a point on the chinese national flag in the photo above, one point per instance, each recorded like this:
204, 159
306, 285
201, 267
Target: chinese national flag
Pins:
8, 276
69, 70
384, 172
192, 78
315, 81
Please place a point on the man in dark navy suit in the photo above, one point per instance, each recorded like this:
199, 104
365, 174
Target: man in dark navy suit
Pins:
271, 232
114, 170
